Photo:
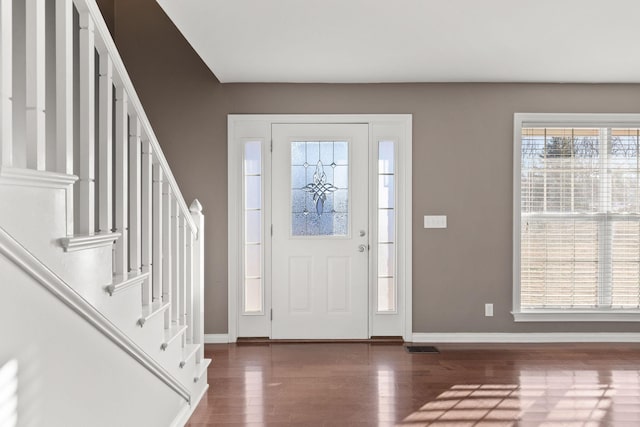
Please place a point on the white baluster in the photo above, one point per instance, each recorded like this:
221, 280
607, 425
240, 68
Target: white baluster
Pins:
135, 209
146, 229
6, 83
105, 144
35, 87
64, 97
183, 271
189, 285
198, 279
158, 215
121, 183
64, 86
175, 257
86, 216
167, 262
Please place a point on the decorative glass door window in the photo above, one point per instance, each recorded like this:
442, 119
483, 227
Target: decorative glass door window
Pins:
319, 188
386, 227
253, 288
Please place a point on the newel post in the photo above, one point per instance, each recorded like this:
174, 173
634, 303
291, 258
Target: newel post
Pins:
198, 278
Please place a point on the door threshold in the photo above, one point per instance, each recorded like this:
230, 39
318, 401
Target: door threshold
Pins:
372, 340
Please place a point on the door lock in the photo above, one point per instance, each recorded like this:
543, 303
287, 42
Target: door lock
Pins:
362, 233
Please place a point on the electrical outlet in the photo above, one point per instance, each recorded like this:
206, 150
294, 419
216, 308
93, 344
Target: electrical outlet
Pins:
488, 310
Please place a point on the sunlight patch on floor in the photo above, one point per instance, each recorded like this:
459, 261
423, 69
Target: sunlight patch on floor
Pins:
547, 398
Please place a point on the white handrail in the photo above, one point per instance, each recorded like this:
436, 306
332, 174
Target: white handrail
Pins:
17, 254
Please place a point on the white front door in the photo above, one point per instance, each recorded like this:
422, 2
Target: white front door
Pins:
320, 231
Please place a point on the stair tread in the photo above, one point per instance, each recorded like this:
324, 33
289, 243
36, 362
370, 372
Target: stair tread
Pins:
201, 368
88, 241
127, 277
125, 281
188, 351
173, 332
150, 310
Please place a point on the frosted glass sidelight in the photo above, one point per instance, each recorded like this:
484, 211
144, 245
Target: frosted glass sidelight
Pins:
386, 260
252, 157
252, 171
253, 192
319, 188
386, 294
253, 226
386, 157
386, 227
252, 260
386, 191
253, 295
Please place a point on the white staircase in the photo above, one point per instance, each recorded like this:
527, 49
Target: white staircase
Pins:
89, 208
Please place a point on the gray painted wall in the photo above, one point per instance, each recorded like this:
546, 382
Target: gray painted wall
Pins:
462, 162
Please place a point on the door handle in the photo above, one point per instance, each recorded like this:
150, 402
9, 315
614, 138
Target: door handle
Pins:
362, 248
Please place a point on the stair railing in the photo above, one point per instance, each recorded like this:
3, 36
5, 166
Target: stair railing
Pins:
69, 109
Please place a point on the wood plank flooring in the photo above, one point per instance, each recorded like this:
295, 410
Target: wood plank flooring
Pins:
361, 384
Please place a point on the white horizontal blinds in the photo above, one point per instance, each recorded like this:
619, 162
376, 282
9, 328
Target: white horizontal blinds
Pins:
253, 283
579, 218
387, 289
624, 219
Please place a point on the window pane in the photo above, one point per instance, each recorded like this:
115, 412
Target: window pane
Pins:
253, 226
386, 191
252, 157
386, 225
625, 264
559, 264
386, 259
253, 192
386, 294
320, 188
386, 157
253, 262
298, 153
580, 235
253, 295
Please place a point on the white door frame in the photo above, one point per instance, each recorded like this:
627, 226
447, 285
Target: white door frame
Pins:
256, 127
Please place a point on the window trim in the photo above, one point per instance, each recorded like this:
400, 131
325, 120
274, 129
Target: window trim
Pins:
557, 120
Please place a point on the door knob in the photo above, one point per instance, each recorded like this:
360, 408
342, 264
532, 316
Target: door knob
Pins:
361, 248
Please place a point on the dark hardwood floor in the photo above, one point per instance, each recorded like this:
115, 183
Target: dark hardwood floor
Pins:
360, 384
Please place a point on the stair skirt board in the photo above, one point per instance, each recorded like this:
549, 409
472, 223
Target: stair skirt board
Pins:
188, 410
22, 258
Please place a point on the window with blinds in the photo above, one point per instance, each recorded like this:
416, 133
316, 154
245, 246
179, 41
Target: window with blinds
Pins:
579, 218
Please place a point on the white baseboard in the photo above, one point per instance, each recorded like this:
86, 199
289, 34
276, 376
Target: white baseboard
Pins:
216, 338
499, 337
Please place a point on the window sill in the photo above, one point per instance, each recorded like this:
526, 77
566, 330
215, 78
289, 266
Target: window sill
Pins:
577, 316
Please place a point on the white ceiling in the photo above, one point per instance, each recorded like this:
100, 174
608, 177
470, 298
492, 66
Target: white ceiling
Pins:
363, 41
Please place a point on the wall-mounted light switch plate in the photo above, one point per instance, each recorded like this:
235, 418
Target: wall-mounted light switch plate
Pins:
435, 221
